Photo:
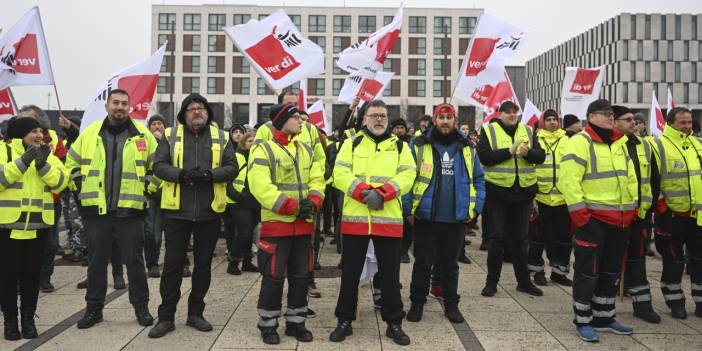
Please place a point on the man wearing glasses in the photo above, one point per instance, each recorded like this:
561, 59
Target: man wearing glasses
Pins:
599, 182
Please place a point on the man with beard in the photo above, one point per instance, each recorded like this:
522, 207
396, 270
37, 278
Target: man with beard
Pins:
448, 191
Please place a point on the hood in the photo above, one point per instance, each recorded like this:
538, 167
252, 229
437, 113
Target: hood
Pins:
542, 118
190, 98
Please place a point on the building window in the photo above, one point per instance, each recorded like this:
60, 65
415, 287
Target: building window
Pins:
165, 85
317, 23
686, 93
191, 21
241, 19
341, 43
625, 50
655, 50
191, 85
240, 113
663, 71
393, 65
262, 16
647, 29
639, 92
215, 43
393, 89
647, 71
417, 67
316, 87
699, 93
441, 88
162, 38
337, 70
625, 92
167, 64
686, 50
295, 19
241, 86
417, 88
633, 27
191, 64
442, 24
166, 21
694, 28
215, 64
366, 24
336, 86
191, 43
466, 25
215, 85
417, 24
216, 22
441, 66
387, 20
342, 24
678, 27
418, 46
663, 26
678, 75
261, 88
670, 51
321, 41
240, 65
693, 72
441, 44
462, 45
639, 50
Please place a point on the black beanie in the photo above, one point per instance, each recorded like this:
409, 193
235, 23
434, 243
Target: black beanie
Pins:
19, 127
569, 120
155, 118
281, 113
398, 122
620, 111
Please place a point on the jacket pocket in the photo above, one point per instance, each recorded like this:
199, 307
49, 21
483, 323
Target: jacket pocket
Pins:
267, 257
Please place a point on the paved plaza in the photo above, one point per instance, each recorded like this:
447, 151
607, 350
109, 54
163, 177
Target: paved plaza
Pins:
508, 321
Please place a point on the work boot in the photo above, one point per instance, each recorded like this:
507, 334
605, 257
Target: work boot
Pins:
530, 289
199, 323
311, 313
82, 284
540, 279
11, 328
46, 287
405, 255
29, 329
489, 290
395, 332
453, 314
561, 279
161, 328
415, 312
269, 335
143, 315
464, 259
248, 266
698, 310
299, 331
93, 315
677, 309
233, 268
119, 282
646, 312
342, 330
313, 291
154, 272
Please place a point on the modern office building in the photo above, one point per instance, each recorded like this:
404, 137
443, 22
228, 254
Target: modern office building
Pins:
207, 62
641, 53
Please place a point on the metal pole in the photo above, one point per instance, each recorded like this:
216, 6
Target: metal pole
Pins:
171, 106
444, 62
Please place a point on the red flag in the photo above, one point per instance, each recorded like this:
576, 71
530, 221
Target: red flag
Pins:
318, 116
531, 114
502, 92
7, 107
656, 120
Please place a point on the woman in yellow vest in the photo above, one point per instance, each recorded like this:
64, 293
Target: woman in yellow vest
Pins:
29, 175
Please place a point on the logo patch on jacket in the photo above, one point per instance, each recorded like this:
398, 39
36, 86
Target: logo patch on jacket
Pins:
677, 164
141, 145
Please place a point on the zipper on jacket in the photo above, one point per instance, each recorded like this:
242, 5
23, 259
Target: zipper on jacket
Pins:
197, 138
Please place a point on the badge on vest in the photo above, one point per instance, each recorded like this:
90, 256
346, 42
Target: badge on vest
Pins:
549, 157
426, 167
677, 165
140, 144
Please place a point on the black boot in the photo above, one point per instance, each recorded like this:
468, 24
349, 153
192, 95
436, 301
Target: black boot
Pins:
29, 329
270, 335
529, 288
561, 279
144, 317
645, 311
698, 310
299, 331
415, 312
343, 329
93, 315
248, 266
395, 332
233, 268
453, 314
489, 290
540, 279
677, 309
161, 328
11, 328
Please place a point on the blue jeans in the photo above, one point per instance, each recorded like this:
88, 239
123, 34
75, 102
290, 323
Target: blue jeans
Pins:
153, 232
52, 243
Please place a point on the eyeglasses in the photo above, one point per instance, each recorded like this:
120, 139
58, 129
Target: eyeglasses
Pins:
379, 116
628, 119
195, 109
608, 114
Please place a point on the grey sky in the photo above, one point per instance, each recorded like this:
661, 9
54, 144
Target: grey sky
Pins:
90, 39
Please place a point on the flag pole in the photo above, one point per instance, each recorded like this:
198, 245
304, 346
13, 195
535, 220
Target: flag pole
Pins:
12, 99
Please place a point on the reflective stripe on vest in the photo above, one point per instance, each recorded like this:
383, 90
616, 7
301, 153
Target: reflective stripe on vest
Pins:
505, 173
675, 176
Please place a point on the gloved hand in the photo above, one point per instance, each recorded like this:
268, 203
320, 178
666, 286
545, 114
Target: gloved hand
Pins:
373, 200
306, 209
185, 176
30, 155
43, 155
202, 177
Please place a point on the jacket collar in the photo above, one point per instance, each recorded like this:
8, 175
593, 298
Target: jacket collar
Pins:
675, 135
551, 136
616, 134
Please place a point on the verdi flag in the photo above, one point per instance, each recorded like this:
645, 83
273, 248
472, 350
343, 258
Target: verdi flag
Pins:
656, 120
531, 114
370, 90
581, 86
7, 106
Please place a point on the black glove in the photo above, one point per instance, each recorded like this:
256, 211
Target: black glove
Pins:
30, 155
186, 176
373, 200
202, 177
44, 152
306, 209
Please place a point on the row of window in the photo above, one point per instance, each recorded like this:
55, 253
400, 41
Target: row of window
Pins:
663, 28
644, 96
318, 23
662, 68
657, 47
316, 87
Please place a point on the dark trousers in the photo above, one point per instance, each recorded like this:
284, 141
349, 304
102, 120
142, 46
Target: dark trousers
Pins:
485, 221
52, 244
684, 233
387, 252
239, 228
599, 255
635, 280
153, 231
552, 233
177, 235
279, 257
508, 229
330, 210
440, 244
407, 234
20, 262
128, 234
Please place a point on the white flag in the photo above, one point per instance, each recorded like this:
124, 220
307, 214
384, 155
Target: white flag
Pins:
318, 116
656, 120
372, 52
372, 88
23, 53
277, 50
139, 81
581, 86
671, 102
531, 114
493, 44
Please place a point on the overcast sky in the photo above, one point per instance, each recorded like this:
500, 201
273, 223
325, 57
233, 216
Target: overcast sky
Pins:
90, 39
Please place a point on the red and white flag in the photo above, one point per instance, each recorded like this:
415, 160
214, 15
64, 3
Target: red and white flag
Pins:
581, 86
372, 52
671, 102
318, 116
493, 44
494, 95
139, 81
531, 114
23, 53
372, 88
656, 120
302, 95
7, 106
277, 50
